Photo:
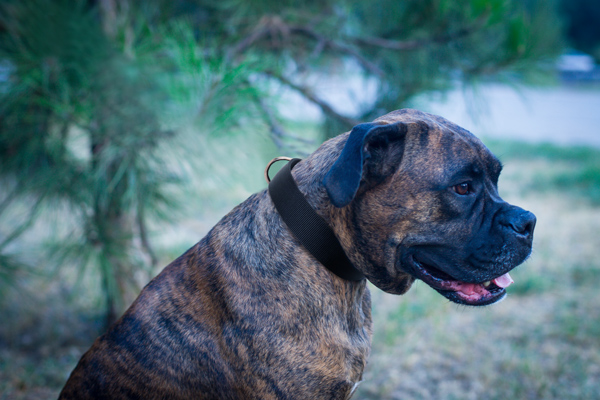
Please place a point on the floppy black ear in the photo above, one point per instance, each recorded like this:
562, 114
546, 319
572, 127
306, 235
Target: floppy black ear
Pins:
369, 147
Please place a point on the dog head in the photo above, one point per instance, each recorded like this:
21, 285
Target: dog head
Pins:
419, 198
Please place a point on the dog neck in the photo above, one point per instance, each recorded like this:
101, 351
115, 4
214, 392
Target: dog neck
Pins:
309, 227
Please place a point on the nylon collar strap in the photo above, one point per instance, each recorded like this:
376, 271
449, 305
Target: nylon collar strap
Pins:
307, 226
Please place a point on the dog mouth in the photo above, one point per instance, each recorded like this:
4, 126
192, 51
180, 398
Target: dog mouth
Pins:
472, 294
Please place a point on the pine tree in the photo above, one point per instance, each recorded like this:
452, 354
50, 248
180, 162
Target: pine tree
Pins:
84, 86
80, 123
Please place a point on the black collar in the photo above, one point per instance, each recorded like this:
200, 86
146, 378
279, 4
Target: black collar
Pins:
307, 226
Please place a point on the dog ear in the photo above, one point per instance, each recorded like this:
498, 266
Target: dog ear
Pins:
372, 150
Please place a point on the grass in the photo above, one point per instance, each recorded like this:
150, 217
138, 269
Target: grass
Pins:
542, 342
571, 169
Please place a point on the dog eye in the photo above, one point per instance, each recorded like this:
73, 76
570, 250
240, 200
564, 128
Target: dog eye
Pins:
463, 189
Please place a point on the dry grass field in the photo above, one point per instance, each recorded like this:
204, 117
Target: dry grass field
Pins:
542, 342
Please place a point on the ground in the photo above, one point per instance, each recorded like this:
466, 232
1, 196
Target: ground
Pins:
542, 342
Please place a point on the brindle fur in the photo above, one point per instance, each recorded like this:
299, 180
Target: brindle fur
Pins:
247, 313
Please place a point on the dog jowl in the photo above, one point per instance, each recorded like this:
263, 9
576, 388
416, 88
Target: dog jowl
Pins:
251, 313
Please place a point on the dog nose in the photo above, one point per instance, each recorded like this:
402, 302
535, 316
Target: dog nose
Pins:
520, 221
524, 224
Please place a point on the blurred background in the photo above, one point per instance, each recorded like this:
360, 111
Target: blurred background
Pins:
128, 129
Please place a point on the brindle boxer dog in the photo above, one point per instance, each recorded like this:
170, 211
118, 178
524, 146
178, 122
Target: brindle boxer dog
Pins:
248, 313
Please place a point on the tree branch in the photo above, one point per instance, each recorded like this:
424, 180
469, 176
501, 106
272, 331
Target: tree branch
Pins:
400, 45
278, 133
19, 230
245, 43
309, 95
273, 25
342, 48
268, 26
141, 223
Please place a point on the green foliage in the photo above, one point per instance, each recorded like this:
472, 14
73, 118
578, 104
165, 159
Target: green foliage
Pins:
432, 45
83, 122
576, 169
408, 46
102, 103
583, 25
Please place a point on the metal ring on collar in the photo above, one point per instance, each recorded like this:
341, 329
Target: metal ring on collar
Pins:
273, 161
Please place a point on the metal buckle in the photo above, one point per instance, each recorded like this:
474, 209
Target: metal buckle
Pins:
273, 161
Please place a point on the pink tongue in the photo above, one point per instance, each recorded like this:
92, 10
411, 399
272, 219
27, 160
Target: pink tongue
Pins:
503, 281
